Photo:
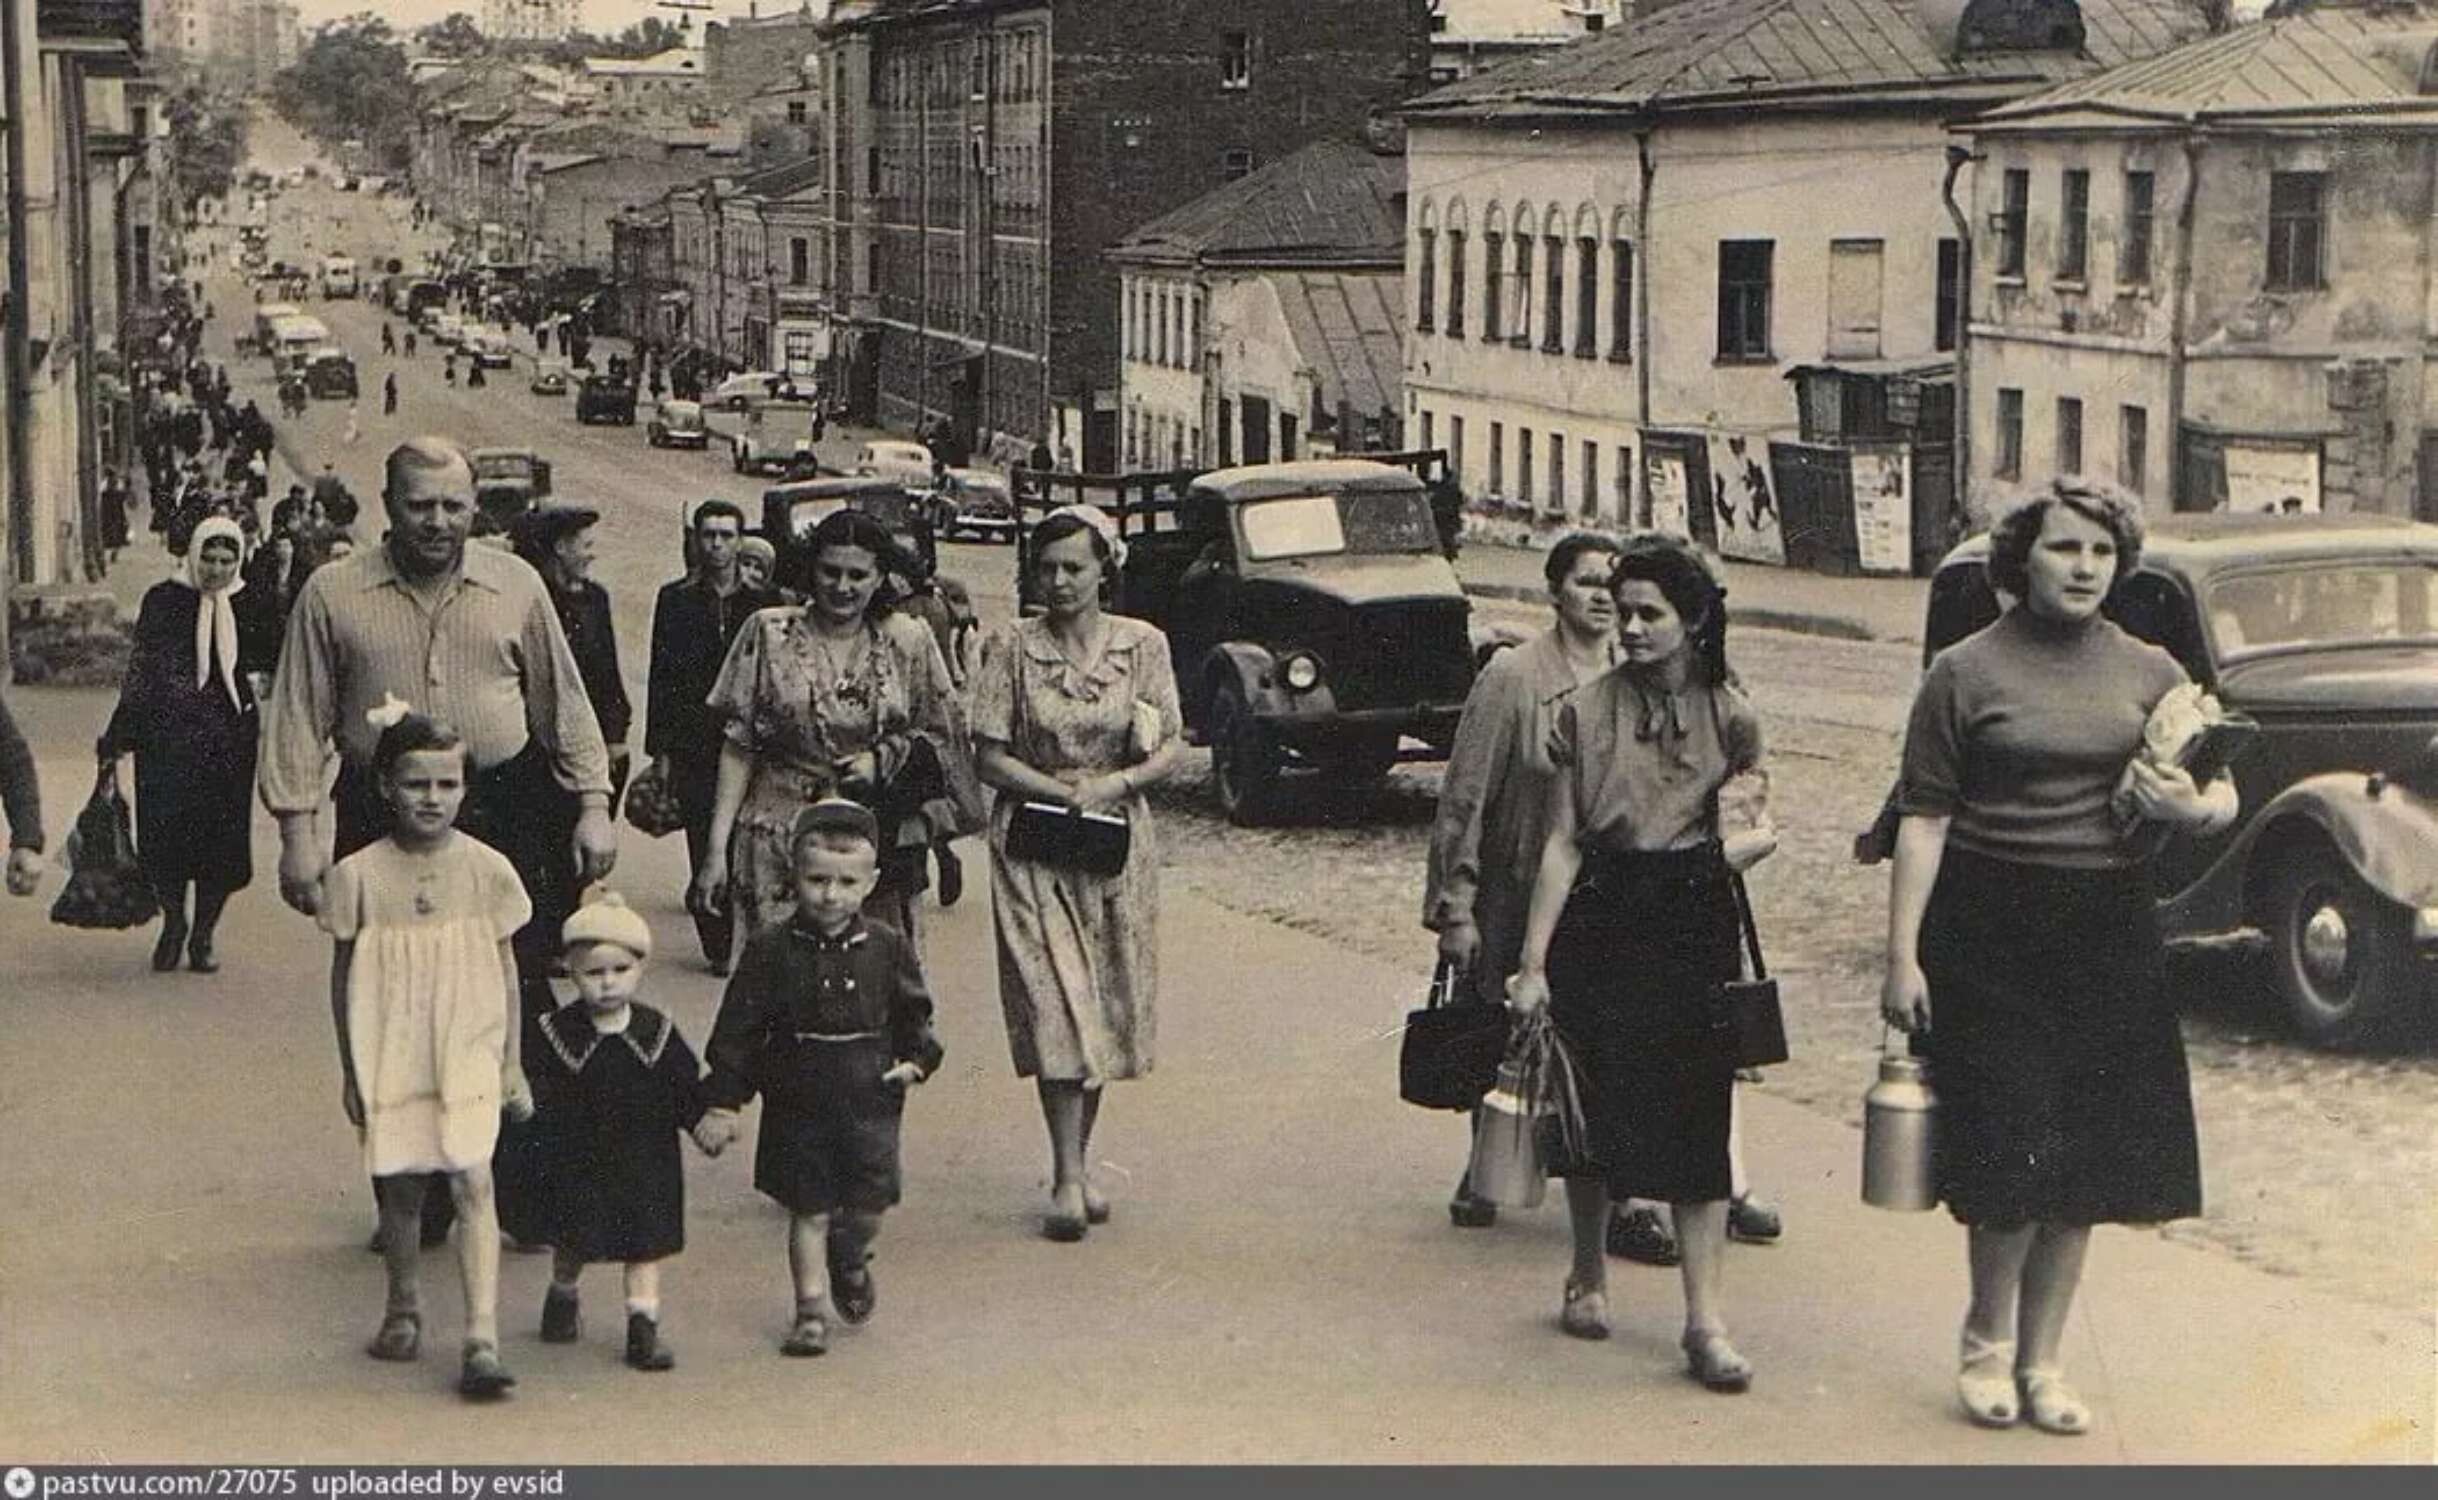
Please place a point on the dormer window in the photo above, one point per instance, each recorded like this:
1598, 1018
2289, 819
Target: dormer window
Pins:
2019, 26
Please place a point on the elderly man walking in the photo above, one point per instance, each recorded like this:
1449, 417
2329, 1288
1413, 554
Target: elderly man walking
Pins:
466, 634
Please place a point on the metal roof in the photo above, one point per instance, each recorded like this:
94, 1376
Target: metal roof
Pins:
1349, 332
1707, 54
1305, 477
2352, 61
1335, 202
784, 181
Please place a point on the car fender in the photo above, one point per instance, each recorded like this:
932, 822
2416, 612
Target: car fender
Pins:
1253, 670
2389, 840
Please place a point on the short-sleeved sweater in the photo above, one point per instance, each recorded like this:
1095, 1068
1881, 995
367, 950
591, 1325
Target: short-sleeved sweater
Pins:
2021, 732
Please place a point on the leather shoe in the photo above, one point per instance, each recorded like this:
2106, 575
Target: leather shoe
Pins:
1752, 1221
199, 957
1640, 1235
952, 875
165, 952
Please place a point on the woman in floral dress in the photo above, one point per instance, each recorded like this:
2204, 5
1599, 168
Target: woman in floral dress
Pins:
838, 697
1079, 708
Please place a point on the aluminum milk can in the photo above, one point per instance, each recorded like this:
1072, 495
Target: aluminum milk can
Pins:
1899, 1136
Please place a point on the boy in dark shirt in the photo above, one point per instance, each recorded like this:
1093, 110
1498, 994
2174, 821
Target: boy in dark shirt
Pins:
829, 1020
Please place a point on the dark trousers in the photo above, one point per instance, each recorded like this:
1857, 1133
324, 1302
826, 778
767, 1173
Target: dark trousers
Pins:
694, 777
519, 809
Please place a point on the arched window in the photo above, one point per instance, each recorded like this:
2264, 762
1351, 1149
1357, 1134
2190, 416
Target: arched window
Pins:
1493, 273
1521, 325
1587, 282
1553, 278
1457, 269
1621, 286
1426, 266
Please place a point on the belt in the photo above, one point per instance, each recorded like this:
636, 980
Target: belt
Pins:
841, 1036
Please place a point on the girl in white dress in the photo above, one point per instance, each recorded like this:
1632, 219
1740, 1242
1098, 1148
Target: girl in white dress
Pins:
423, 991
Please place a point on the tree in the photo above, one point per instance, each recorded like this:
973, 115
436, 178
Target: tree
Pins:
351, 81
646, 37
207, 140
453, 35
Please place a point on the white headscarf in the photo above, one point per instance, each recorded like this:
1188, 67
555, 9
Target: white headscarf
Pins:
215, 621
1102, 524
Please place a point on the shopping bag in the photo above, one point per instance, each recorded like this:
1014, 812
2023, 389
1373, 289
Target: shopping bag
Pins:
106, 888
1451, 1049
651, 802
1534, 1090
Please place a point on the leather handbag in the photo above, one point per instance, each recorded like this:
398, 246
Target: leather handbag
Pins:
1452, 1047
1747, 1008
1044, 833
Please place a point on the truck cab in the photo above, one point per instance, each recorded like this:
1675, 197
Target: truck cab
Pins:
507, 483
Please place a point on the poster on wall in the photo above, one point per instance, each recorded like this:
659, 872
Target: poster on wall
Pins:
1664, 473
1744, 499
2281, 480
1883, 509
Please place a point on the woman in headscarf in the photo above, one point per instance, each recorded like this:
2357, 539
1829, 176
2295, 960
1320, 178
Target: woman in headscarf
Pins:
204, 645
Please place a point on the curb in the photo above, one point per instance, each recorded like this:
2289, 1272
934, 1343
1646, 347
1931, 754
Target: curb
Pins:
1798, 622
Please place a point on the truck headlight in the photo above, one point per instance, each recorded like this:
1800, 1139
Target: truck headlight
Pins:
1303, 673
2425, 926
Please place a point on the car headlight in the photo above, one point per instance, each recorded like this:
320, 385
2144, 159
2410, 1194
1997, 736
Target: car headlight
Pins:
2425, 925
1303, 673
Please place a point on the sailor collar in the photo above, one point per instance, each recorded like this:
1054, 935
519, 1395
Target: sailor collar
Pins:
571, 1035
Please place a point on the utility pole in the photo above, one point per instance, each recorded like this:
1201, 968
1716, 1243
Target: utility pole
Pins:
19, 352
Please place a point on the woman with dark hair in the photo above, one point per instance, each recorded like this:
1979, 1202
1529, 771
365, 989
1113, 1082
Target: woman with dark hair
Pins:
840, 696
1486, 842
1633, 923
204, 645
2020, 914
1078, 708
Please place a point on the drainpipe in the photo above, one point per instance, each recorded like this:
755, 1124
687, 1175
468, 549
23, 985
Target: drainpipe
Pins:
2179, 317
1961, 460
1642, 320
19, 352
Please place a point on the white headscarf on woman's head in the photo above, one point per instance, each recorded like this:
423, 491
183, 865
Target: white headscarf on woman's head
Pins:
1101, 523
215, 621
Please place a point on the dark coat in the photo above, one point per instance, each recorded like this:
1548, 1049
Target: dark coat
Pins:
692, 629
607, 1110
585, 615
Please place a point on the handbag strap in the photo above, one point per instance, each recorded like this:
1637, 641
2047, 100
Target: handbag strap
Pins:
1443, 985
1752, 933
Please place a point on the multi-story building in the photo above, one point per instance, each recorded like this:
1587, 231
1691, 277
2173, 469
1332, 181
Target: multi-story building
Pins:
575, 175
1470, 35
750, 54
975, 145
248, 41
531, 20
178, 28
664, 81
2208, 279
644, 295
1265, 319
1620, 252
747, 254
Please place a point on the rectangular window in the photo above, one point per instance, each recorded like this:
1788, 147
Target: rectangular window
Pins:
1456, 447
1498, 458
2298, 231
1426, 429
1553, 296
1853, 298
797, 114
1523, 465
2074, 227
1621, 300
2007, 461
1591, 478
1235, 59
799, 260
2134, 238
1557, 472
2069, 435
1176, 341
1159, 328
1625, 483
1456, 283
1743, 298
2014, 219
1949, 311
2132, 449
1234, 164
1427, 278
1493, 283
1587, 298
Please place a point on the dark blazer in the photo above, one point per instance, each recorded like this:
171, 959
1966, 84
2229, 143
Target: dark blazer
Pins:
692, 629
585, 616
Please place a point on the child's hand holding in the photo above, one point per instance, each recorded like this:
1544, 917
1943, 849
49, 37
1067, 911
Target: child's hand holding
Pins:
904, 1075
515, 1094
714, 1131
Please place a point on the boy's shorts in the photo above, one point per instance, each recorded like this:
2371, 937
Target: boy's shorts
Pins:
829, 1129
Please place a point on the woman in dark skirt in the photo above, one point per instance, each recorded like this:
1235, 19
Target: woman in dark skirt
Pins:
2021, 914
1633, 923
186, 711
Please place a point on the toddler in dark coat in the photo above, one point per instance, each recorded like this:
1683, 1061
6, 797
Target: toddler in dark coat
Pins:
613, 1084
829, 1020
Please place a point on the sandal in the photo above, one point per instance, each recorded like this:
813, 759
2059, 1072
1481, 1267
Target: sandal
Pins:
482, 1376
1640, 1235
809, 1337
1753, 1222
1710, 1359
855, 1292
1585, 1314
400, 1338
2053, 1405
1985, 1380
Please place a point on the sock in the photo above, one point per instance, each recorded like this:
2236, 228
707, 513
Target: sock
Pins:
648, 1306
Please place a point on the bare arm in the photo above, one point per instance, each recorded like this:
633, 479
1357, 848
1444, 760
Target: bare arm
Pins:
1904, 996
351, 1099
516, 1095
1561, 859
727, 798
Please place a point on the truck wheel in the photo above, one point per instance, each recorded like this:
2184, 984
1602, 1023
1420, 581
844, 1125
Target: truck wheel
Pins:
1244, 763
2340, 952
1360, 760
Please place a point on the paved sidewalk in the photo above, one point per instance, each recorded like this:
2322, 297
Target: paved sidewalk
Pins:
1868, 609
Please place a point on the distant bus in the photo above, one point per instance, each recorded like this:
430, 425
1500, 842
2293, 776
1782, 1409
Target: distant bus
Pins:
338, 276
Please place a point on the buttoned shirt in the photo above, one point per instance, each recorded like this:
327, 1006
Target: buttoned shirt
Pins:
796, 985
484, 652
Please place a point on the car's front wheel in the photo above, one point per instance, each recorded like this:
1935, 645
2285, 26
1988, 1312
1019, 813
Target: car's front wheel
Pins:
1244, 760
2340, 952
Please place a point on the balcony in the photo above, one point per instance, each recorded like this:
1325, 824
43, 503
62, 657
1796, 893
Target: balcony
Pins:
85, 23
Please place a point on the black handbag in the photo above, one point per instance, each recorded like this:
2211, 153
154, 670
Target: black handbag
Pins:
1452, 1047
1748, 1008
1044, 833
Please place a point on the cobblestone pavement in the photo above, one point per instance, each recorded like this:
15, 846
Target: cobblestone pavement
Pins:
2317, 1165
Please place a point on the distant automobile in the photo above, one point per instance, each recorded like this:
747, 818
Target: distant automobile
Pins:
448, 329
507, 483
677, 424
605, 398
330, 375
906, 462
755, 387
550, 377
975, 503
489, 347
773, 439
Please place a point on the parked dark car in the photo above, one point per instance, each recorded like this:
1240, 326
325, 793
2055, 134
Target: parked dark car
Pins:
330, 375
606, 398
1312, 619
507, 483
975, 503
2325, 630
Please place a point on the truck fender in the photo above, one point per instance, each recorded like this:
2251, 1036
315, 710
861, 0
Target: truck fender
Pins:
2389, 840
1241, 662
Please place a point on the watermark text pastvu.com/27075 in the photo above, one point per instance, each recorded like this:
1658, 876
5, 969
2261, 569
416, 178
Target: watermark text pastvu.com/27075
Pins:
349, 1483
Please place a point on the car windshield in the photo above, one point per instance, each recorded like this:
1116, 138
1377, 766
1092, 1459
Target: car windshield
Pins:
503, 466
804, 515
1362, 522
2325, 605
